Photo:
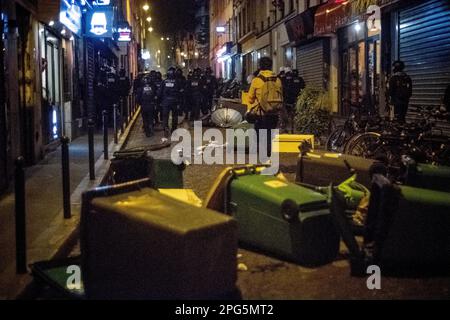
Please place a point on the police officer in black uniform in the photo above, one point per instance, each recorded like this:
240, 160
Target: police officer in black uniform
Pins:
292, 85
183, 105
158, 82
400, 91
169, 94
211, 88
196, 89
147, 97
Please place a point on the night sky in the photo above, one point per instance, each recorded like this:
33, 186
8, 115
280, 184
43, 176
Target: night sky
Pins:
171, 16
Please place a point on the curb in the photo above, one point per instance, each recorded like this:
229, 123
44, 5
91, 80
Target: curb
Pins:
27, 286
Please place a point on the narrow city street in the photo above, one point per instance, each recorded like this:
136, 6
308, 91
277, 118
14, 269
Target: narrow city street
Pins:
265, 277
336, 113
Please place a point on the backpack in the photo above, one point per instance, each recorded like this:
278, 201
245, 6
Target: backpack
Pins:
271, 96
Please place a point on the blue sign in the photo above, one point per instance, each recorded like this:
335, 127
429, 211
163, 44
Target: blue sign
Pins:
100, 22
101, 2
70, 15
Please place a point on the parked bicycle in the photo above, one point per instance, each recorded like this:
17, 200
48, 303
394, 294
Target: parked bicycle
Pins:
418, 140
363, 118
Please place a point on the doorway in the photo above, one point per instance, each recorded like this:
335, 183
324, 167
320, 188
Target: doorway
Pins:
360, 69
51, 88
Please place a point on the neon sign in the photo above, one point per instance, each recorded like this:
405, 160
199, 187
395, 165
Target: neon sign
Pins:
99, 23
70, 15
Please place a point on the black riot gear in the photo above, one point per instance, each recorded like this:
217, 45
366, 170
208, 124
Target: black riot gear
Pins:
170, 95
196, 88
147, 96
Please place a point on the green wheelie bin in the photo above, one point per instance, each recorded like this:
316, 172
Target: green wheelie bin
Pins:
282, 218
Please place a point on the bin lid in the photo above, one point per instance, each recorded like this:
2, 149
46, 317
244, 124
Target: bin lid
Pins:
150, 207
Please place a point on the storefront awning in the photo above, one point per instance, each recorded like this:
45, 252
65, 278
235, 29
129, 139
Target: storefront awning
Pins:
331, 16
301, 27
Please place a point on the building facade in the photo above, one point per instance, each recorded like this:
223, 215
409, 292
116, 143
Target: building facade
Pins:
47, 75
343, 47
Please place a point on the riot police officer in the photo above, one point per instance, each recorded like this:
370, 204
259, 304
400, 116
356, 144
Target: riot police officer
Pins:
292, 86
400, 90
211, 88
158, 82
182, 110
169, 94
196, 89
147, 97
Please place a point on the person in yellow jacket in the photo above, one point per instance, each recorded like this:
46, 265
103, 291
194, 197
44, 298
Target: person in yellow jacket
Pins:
264, 120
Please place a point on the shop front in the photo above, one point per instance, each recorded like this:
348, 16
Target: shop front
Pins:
60, 30
225, 61
358, 54
420, 37
51, 50
248, 58
312, 52
283, 50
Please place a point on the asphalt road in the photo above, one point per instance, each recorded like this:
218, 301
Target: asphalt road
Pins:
265, 277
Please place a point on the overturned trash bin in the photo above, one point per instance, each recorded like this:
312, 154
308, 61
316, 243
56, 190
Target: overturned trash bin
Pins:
137, 243
276, 216
135, 164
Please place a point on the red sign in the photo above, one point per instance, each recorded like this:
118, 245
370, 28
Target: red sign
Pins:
332, 16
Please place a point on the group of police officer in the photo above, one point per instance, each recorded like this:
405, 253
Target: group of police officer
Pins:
177, 95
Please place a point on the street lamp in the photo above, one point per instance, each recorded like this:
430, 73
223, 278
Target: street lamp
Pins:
149, 19
146, 7
162, 38
150, 29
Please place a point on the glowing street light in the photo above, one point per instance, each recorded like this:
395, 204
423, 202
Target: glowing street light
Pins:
149, 19
150, 29
167, 39
146, 7
162, 38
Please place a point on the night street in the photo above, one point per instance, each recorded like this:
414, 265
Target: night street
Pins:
238, 151
267, 278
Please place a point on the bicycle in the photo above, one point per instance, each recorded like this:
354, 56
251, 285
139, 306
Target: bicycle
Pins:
362, 119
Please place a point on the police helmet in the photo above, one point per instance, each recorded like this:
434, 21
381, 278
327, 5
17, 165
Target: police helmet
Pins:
399, 65
171, 73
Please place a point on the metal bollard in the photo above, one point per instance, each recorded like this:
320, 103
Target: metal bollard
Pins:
105, 135
91, 129
129, 109
122, 116
21, 229
66, 177
116, 138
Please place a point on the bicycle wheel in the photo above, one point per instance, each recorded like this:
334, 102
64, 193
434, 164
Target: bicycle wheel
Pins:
337, 139
363, 145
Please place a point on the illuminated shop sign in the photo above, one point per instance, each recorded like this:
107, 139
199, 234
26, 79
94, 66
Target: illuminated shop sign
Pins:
99, 23
70, 15
124, 34
101, 2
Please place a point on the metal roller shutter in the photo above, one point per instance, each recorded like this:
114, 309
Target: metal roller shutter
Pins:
310, 63
424, 43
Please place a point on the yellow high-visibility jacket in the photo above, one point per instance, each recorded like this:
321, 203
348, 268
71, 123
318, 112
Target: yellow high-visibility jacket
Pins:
254, 93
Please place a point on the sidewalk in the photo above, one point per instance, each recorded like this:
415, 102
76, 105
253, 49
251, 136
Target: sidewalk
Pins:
47, 231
